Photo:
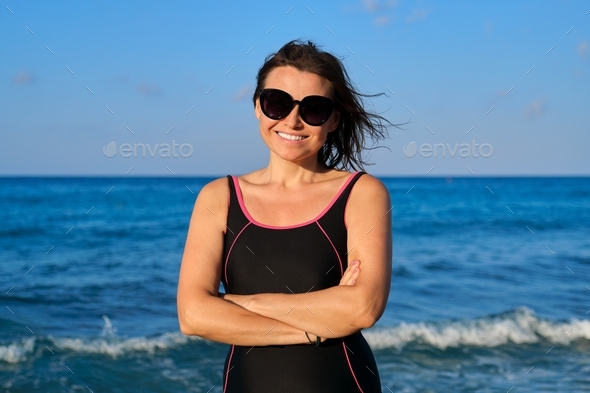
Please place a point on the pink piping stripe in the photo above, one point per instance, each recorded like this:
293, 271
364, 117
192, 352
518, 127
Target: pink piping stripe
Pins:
350, 366
252, 220
344, 345
228, 367
229, 252
336, 251
345, 205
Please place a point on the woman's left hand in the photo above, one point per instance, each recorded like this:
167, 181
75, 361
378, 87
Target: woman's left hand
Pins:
351, 274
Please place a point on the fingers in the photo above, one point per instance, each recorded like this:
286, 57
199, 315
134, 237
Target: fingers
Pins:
354, 268
355, 275
351, 274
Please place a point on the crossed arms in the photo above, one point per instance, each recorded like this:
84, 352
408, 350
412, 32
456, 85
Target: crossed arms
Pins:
282, 319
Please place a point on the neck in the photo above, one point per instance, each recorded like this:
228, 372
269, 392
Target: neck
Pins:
291, 174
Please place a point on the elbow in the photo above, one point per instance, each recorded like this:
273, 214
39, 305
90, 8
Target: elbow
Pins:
185, 328
191, 329
369, 320
373, 311
366, 320
194, 316
188, 323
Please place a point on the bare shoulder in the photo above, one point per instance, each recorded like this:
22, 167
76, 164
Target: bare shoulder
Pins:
216, 188
215, 191
214, 196
368, 194
368, 186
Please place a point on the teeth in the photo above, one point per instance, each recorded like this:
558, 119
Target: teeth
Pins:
290, 137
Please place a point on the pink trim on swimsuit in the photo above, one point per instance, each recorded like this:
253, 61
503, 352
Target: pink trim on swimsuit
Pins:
334, 247
228, 368
345, 206
253, 221
350, 366
229, 252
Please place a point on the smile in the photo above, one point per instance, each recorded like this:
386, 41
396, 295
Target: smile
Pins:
291, 137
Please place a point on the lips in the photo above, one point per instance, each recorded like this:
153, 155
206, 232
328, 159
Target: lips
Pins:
295, 137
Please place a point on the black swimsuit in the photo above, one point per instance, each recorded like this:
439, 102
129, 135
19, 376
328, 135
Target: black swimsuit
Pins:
260, 258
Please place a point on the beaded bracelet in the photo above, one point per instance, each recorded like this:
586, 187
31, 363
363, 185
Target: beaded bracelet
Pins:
317, 340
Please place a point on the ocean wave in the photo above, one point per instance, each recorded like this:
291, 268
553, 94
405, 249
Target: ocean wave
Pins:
517, 327
17, 351
520, 326
115, 347
111, 346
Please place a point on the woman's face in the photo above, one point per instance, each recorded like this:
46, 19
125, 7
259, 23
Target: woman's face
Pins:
299, 85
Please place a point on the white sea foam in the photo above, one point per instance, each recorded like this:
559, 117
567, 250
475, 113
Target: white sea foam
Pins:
114, 346
108, 330
17, 351
518, 327
110, 345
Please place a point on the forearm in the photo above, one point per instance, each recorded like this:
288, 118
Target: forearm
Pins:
331, 313
220, 320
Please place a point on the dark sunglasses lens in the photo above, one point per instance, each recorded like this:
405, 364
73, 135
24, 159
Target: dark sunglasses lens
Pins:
276, 104
316, 110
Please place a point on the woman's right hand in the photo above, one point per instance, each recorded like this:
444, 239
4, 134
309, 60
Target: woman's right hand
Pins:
351, 273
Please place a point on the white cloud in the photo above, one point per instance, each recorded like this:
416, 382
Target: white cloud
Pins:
148, 89
23, 78
381, 20
122, 78
488, 27
376, 5
243, 94
536, 108
418, 14
583, 49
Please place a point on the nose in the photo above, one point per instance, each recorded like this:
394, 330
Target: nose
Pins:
293, 119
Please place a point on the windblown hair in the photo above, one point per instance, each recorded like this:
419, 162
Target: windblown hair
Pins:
343, 147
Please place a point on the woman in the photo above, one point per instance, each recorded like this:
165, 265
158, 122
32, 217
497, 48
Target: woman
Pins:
288, 241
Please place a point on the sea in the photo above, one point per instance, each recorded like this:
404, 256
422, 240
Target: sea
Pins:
490, 289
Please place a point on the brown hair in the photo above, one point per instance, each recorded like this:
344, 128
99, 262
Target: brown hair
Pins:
343, 147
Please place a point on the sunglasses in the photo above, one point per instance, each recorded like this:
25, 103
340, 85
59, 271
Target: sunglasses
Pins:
277, 104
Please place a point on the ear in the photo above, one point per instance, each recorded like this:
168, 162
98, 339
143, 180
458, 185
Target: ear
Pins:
334, 121
257, 111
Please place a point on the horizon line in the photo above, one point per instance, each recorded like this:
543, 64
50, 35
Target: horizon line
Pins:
225, 175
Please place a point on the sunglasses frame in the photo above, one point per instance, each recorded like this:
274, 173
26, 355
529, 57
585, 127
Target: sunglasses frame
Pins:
300, 104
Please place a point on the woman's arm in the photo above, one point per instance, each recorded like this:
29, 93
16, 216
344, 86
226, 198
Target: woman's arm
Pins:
342, 310
270, 304
200, 311
219, 320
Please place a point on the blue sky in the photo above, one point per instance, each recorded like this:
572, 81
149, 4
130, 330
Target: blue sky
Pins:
75, 77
